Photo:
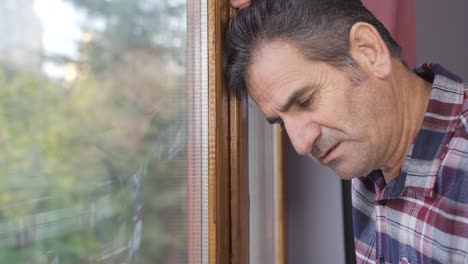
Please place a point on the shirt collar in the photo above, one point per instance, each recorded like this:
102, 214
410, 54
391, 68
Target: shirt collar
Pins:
420, 169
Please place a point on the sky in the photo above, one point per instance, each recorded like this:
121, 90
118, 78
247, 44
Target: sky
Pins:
61, 31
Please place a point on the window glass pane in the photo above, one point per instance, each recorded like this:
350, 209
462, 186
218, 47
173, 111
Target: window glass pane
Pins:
93, 132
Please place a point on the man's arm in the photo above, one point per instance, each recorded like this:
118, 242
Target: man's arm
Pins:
239, 4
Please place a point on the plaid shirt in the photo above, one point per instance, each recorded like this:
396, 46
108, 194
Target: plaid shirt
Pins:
422, 215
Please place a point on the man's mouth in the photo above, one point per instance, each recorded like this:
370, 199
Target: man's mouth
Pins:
328, 153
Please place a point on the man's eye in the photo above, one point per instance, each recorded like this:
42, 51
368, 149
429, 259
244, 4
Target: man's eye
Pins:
306, 103
273, 121
279, 121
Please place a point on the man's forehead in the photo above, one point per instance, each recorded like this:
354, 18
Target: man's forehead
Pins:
278, 72
262, 90
265, 75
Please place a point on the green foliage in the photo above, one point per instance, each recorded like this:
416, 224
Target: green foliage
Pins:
78, 158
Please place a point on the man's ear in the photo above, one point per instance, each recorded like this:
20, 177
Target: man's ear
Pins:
369, 50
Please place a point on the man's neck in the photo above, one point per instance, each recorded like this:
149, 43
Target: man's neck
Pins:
415, 94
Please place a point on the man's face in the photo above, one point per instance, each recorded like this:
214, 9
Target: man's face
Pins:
327, 117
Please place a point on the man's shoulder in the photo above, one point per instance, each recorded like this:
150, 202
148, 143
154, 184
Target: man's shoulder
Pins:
463, 119
458, 145
454, 172
465, 101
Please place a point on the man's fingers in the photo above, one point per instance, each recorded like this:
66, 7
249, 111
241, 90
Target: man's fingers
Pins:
240, 3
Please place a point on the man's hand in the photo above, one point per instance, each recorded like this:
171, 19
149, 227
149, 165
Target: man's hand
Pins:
239, 4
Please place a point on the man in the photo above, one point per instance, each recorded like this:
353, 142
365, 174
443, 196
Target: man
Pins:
332, 75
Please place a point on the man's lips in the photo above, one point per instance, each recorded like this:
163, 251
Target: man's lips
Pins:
329, 151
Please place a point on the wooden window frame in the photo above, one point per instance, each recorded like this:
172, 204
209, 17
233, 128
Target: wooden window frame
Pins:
228, 157
228, 188
219, 141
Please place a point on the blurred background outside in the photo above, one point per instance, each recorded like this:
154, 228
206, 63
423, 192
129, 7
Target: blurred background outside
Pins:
93, 131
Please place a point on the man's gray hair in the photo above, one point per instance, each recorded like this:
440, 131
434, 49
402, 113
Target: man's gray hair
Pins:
318, 28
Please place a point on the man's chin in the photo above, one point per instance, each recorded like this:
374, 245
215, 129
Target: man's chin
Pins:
348, 169
347, 176
348, 173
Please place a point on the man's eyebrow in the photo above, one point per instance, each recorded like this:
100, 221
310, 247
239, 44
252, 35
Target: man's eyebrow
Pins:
290, 101
295, 96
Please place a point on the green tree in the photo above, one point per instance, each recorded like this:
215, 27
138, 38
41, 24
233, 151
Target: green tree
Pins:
137, 51
67, 149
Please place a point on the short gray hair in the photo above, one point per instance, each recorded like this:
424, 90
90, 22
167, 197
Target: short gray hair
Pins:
318, 28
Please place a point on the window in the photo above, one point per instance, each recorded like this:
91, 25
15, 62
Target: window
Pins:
118, 143
104, 132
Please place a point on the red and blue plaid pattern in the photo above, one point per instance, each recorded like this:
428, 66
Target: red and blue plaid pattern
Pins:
422, 215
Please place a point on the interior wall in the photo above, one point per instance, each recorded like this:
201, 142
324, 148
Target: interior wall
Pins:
442, 34
314, 213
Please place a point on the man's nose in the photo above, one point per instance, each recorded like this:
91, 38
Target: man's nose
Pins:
302, 134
